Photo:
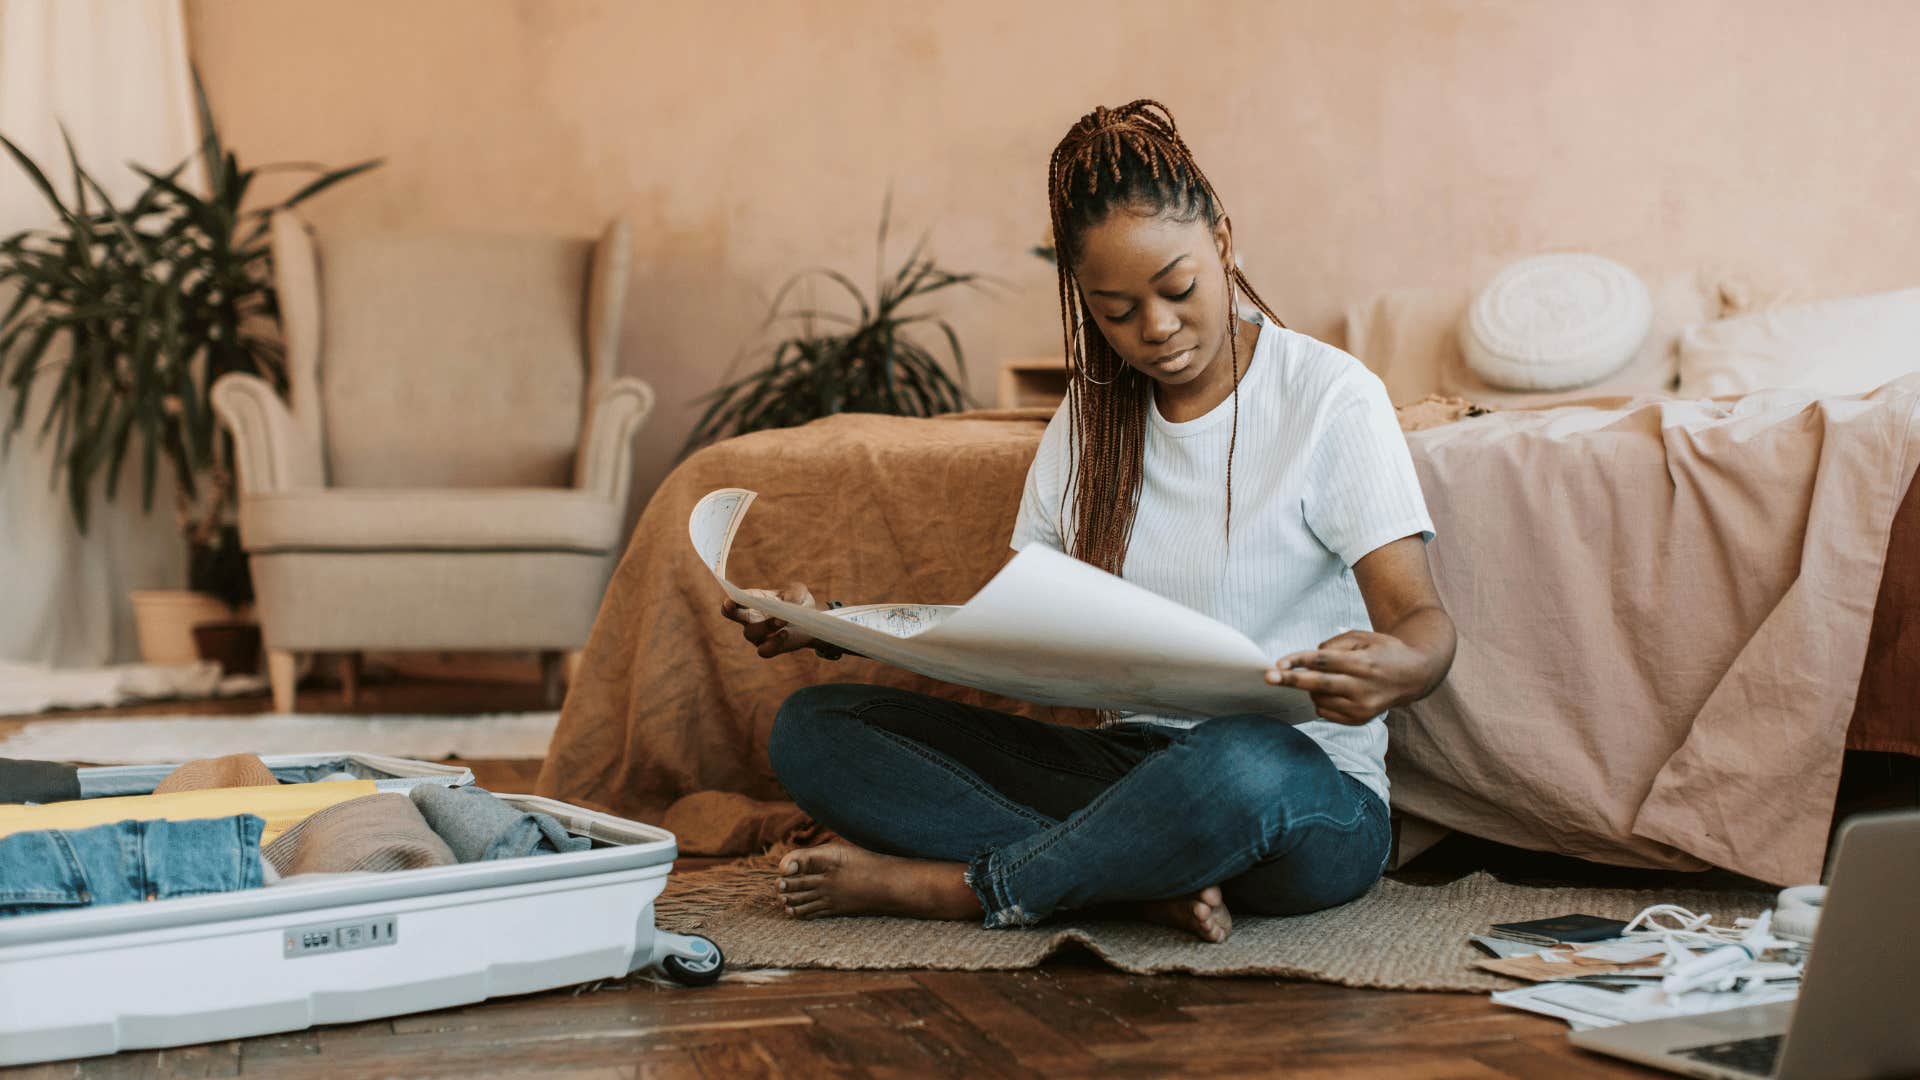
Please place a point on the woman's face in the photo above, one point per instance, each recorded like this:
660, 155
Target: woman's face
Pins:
1156, 287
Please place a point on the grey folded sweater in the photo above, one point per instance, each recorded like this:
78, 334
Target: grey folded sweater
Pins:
479, 826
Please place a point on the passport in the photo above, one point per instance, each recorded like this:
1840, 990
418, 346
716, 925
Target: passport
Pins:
1560, 929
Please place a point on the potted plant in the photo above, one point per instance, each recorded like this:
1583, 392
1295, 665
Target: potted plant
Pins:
865, 362
129, 314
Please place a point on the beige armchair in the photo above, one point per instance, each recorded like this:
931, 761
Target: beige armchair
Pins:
452, 469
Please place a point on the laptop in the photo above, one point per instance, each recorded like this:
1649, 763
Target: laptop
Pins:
1856, 1013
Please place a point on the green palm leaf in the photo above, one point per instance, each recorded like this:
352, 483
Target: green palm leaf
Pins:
123, 316
866, 362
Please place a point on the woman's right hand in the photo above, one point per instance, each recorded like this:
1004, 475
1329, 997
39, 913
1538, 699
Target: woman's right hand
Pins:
771, 636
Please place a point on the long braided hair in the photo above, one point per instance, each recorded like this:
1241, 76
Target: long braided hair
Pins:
1130, 158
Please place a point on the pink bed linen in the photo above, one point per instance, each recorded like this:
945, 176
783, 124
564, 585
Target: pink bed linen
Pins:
1664, 609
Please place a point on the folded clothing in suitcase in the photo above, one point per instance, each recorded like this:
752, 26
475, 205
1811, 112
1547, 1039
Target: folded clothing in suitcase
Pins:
343, 948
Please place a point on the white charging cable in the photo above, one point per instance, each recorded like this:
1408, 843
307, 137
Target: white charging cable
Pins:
1712, 968
1725, 950
1679, 926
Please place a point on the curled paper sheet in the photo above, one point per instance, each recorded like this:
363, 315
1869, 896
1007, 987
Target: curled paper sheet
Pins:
1048, 629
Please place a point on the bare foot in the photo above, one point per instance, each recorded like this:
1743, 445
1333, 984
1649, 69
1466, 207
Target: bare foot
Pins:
842, 879
1204, 914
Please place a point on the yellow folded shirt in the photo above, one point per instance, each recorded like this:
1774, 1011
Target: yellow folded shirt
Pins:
282, 805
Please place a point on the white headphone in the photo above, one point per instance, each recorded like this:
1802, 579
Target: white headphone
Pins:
1798, 913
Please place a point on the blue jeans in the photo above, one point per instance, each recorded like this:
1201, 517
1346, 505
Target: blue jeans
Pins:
1050, 818
59, 869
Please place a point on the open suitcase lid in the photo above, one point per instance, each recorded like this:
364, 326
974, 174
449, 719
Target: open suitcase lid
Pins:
388, 773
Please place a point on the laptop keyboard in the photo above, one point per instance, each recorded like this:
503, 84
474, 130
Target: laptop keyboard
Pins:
1755, 1055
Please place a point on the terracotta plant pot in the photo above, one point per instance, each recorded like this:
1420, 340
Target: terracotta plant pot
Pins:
165, 618
233, 644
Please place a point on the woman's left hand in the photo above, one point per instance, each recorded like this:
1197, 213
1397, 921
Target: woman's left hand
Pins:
1355, 676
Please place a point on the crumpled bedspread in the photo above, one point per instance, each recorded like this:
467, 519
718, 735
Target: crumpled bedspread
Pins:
1664, 606
1664, 610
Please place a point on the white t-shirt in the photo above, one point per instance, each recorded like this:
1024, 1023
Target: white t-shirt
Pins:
1321, 477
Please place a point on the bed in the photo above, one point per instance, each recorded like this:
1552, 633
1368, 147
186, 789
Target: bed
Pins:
1732, 602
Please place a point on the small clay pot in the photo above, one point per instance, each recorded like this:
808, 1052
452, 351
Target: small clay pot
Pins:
235, 646
165, 619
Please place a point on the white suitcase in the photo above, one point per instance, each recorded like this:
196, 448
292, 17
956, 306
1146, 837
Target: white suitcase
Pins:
285, 957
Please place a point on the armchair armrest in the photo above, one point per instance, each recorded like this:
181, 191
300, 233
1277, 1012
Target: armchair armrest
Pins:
605, 460
272, 453
604, 464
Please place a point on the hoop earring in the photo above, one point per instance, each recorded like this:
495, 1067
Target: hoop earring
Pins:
1233, 316
1097, 382
1080, 337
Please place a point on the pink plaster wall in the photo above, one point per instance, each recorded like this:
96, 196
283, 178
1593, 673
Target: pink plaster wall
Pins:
1359, 145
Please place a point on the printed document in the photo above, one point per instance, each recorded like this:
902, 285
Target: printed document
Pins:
1048, 629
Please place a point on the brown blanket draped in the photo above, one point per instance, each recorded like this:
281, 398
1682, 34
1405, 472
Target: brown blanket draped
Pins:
670, 702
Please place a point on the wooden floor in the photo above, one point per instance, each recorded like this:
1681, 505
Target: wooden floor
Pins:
1071, 1017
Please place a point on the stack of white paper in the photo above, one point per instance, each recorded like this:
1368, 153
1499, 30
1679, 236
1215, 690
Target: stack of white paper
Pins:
1586, 1006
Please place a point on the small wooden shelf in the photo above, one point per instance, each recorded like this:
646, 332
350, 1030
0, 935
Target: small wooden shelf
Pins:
1032, 380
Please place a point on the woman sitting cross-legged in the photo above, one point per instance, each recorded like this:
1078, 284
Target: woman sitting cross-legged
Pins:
1311, 527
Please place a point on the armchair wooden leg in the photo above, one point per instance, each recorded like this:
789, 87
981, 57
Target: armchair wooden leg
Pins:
283, 670
558, 670
552, 674
350, 678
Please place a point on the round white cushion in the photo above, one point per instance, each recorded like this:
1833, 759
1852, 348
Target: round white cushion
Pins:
1555, 322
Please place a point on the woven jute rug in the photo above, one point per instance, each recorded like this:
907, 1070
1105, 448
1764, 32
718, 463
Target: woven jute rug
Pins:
1396, 937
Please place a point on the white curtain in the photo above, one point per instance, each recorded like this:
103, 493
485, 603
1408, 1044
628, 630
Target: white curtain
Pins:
115, 73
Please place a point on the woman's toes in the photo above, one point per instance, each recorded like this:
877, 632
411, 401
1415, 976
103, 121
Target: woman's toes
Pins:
801, 883
1223, 923
801, 862
1203, 913
1204, 924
